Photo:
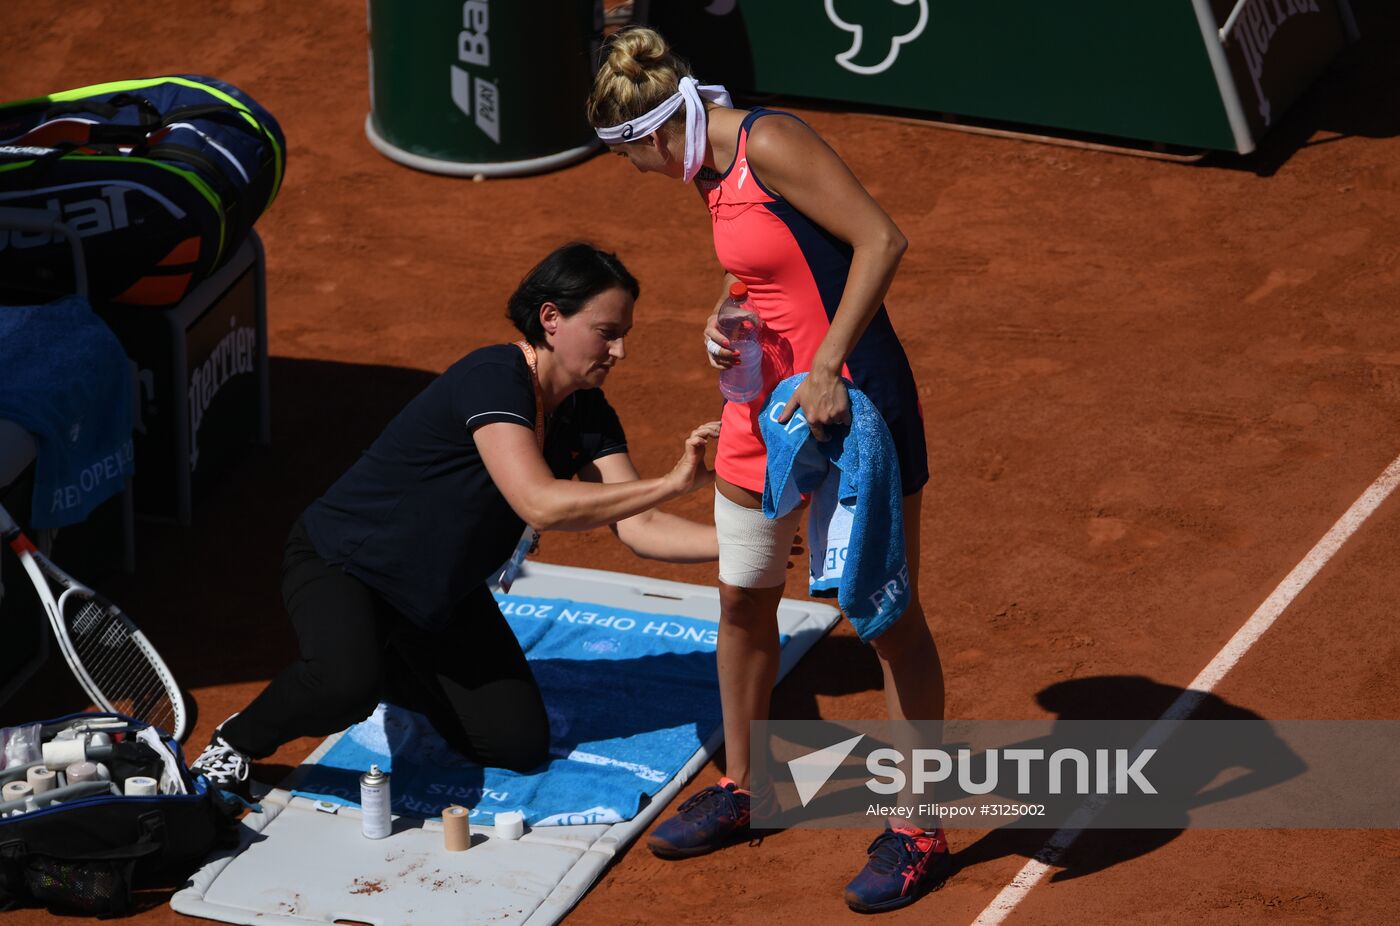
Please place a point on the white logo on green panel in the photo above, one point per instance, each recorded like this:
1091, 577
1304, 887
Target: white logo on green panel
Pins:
858, 32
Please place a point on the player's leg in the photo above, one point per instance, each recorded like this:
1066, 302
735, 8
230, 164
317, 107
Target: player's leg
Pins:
908, 656
910, 857
753, 561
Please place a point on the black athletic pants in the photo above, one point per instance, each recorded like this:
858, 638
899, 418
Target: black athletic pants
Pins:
471, 680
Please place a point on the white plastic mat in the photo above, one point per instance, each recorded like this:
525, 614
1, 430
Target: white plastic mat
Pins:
296, 864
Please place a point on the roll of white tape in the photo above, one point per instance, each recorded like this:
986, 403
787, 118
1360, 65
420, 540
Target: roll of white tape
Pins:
63, 753
140, 786
510, 824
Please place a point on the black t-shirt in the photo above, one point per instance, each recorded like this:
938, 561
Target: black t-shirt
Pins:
417, 517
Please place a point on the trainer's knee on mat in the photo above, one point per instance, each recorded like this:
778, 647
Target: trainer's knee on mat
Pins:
523, 751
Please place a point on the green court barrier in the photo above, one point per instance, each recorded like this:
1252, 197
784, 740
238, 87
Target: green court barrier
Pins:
1211, 74
493, 87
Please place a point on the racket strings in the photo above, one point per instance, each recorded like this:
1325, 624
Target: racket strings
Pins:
99, 642
118, 665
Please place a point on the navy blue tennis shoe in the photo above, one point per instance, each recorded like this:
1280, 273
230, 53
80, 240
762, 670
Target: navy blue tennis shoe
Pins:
708, 820
902, 867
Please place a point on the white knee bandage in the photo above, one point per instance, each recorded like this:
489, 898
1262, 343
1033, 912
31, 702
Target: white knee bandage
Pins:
753, 551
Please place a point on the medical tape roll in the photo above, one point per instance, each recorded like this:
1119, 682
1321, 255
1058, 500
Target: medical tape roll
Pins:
140, 786
82, 771
510, 824
16, 790
41, 779
63, 753
456, 828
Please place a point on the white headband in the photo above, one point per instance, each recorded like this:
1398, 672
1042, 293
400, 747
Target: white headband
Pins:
690, 93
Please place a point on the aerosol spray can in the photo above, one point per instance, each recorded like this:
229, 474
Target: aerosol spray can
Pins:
374, 803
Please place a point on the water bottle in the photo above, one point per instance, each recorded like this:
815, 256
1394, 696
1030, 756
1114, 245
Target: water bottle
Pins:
742, 382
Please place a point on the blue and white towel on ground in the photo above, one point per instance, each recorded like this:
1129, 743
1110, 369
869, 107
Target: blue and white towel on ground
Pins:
631, 696
65, 379
855, 526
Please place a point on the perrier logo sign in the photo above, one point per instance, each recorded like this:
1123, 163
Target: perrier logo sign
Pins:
1253, 27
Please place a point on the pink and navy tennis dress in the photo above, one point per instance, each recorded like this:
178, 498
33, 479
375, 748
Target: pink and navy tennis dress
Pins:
796, 272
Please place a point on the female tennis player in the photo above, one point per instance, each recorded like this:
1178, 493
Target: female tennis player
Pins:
817, 254
385, 576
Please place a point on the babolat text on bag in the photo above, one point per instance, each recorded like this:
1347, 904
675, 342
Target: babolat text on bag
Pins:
161, 178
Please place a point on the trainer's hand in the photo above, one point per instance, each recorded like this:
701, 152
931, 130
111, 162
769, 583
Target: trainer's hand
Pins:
690, 472
717, 346
824, 402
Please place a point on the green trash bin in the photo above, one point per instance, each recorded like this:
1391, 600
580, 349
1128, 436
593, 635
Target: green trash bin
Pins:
492, 87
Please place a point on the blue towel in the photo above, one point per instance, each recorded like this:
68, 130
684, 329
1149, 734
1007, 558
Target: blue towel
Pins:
65, 379
631, 696
855, 526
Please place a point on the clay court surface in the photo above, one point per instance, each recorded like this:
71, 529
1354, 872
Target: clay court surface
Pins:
1150, 388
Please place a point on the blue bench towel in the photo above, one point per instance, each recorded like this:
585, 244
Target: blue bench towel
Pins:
631, 697
65, 379
855, 525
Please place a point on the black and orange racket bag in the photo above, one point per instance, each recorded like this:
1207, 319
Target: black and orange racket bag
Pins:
161, 179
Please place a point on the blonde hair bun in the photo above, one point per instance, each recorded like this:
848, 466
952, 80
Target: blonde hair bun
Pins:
638, 73
632, 51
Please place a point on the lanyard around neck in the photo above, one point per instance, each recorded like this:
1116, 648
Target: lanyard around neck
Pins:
532, 361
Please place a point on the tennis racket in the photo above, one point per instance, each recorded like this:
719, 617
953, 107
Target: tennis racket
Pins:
109, 655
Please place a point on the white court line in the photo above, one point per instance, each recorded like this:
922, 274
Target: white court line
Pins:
1187, 702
